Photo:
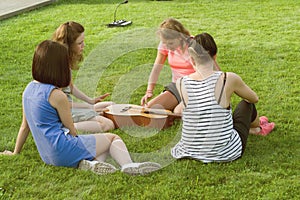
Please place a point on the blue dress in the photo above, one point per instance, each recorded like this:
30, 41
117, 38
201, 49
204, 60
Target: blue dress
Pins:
55, 145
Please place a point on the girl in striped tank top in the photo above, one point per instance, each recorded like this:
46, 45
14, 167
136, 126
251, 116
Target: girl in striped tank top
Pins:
210, 132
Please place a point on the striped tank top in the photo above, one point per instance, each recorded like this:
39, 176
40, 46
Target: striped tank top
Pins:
207, 129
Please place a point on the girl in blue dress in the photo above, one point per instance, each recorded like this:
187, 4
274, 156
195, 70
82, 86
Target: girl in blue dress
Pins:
47, 115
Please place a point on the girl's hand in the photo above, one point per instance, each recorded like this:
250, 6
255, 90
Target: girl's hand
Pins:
100, 98
8, 153
144, 100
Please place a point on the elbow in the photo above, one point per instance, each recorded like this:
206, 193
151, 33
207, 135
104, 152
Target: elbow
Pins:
25, 129
255, 100
252, 99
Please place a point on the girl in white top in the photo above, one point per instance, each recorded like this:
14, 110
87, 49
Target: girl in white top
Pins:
87, 115
210, 132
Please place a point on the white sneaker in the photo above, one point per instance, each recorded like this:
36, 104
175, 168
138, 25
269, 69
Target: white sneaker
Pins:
97, 167
140, 168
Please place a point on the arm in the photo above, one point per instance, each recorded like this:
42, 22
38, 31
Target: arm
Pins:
80, 95
241, 89
60, 102
183, 94
157, 67
22, 135
21, 138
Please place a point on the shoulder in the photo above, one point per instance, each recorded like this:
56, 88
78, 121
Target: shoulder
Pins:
58, 93
233, 76
57, 96
162, 48
161, 45
234, 81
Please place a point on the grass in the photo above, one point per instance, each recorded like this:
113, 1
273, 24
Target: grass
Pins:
257, 39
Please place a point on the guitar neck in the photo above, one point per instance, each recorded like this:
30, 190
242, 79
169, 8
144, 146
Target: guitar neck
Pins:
159, 112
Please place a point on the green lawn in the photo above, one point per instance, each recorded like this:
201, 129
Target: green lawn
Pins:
259, 40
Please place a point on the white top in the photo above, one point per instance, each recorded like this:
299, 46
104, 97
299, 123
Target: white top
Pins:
207, 132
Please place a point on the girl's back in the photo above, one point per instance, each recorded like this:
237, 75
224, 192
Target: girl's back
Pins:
54, 146
207, 132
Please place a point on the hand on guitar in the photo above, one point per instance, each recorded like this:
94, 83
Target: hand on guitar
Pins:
144, 100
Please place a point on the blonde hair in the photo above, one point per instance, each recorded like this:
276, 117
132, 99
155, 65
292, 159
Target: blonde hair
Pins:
66, 34
172, 29
175, 25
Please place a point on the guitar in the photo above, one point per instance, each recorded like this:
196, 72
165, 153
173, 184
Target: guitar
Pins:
133, 115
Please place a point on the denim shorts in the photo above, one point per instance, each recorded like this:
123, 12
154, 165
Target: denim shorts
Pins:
172, 88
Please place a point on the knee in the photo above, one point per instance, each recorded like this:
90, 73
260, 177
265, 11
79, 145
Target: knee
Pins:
110, 125
111, 137
116, 138
105, 124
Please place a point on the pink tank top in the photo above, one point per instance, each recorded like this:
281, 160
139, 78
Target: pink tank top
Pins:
179, 61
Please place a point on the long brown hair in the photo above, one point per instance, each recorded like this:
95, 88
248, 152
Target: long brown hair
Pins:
67, 33
50, 64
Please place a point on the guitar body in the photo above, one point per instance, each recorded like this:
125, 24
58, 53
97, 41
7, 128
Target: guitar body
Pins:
133, 115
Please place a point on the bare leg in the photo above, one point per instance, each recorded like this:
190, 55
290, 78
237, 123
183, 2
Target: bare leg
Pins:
102, 157
261, 127
255, 126
96, 124
179, 108
107, 144
99, 107
165, 100
112, 144
119, 152
255, 123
